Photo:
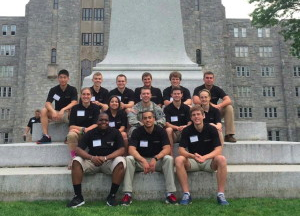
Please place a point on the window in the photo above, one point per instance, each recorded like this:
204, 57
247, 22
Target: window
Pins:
235, 32
242, 71
298, 112
263, 32
5, 91
245, 112
6, 71
196, 5
268, 91
98, 14
13, 29
4, 114
86, 39
5, 138
267, 71
98, 39
243, 91
266, 51
241, 51
4, 29
297, 91
53, 56
241, 33
274, 135
7, 50
270, 112
87, 14
55, 4
296, 71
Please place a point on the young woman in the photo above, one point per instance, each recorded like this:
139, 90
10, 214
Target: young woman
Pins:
117, 117
212, 115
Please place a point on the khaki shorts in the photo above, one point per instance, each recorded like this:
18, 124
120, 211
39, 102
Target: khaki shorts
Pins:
107, 167
197, 166
74, 137
65, 118
177, 136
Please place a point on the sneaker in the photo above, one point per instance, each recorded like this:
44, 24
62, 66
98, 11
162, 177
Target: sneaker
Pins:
76, 202
111, 200
126, 200
186, 199
171, 199
44, 140
230, 138
221, 199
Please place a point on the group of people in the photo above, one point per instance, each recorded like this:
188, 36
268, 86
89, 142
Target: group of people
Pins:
126, 131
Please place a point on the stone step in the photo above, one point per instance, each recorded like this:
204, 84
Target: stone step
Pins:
54, 183
242, 152
57, 131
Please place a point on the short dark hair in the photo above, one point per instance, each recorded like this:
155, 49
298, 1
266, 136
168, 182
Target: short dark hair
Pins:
209, 73
153, 114
176, 88
145, 88
63, 72
121, 75
196, 108
176, 74
147, 74
205, 90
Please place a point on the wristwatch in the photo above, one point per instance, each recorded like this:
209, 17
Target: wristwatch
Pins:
155, 158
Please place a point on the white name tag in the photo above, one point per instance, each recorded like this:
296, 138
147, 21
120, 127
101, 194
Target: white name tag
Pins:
194, 138
56, 97
171, 99
174, 118
93, 98
112, 124
119, 97
80, 112
144, 143
33, 120
96, 143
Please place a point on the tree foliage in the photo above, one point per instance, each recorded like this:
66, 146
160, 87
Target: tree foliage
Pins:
283, 13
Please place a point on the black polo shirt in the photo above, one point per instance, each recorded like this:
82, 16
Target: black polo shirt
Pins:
119, 120
202, 143
32, 121
62, 98
177, 116
127, 95
216, 93
167, 93
156, 95
101, 96
149, 145
82, 116
101, 142
212, 116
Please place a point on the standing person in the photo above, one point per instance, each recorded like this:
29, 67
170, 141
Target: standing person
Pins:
64, 97
224, 107
83, 118
99, 94
212, 115
204, 153
156, 92
175, 78
35, 119
118, 118
177, 117
149, 151
106, 148
126, 95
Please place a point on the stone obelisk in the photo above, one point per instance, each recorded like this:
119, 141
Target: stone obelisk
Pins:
146, 35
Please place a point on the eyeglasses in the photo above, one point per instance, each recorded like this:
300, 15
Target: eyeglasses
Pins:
103, 120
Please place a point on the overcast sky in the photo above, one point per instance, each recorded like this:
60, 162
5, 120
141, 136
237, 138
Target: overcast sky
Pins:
234, 8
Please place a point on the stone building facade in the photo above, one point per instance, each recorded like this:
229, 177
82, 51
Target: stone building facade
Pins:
252, 65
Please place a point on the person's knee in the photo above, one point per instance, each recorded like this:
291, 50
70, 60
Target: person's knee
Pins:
179, 161
76, 165
169, 130
119, 167
221, 160
124, 135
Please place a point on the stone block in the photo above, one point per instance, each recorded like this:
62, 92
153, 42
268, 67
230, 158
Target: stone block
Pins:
57, 131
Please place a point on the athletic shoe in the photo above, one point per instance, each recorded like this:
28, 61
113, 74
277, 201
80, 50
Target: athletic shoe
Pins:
111, 200
44, 140
126, 200
171, 199
221, 199
76, 202
186, 199
230, 138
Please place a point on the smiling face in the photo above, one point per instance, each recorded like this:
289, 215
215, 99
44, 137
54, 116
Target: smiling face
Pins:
208, 79
121, 82
147, 81
197, 117
86, 96
146, 95
175, 81
148, 119
176, 95
114, 104
205, 98
97, 80
63, 79
103, 121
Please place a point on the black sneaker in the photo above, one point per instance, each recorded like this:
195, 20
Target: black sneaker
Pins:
111, 200
44, 140
76, 202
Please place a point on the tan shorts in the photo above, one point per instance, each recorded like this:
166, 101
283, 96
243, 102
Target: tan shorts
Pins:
74, 137
177, 136
65, 118
107, 167
197, 166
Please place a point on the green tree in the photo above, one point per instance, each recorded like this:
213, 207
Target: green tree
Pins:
281, 13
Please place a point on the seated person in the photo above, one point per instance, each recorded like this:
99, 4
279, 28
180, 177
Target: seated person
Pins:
65, 97
99, 94
33, 120
149, 151
106, 148
204, 153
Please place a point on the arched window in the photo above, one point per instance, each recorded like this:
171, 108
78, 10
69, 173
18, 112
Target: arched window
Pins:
85, 69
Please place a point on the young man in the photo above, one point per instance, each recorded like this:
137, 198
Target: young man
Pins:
149, 151
35, 119
204, 153
64, 97
135, 115
106, 148
156, 92
224, 107
175, 78
100, 94
177, 117
126, 95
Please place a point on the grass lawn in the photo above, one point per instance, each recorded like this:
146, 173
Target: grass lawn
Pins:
208, 207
